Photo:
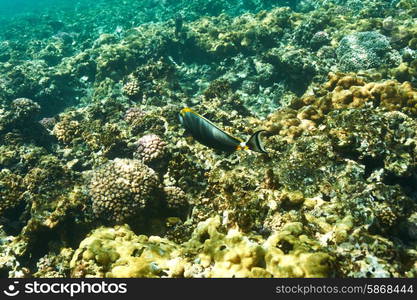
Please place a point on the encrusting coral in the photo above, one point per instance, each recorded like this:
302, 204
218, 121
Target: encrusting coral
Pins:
118, 252
365, 50
175, 197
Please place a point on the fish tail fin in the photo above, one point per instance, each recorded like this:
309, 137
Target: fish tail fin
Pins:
254, 143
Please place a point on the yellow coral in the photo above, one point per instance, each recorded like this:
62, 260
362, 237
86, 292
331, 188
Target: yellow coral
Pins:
66, 130
118, 252
287, 255
341, 91
225, 255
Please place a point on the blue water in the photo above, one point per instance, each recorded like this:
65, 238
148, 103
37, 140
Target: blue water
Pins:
154, 8
10, 8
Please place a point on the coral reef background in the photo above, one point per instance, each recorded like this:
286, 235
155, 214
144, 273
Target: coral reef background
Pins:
99, 179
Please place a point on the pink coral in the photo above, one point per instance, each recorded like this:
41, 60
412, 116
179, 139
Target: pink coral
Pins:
150, 148
134, 115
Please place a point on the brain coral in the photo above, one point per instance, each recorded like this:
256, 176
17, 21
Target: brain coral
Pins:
365, 50
211, 253
286, 253
121, 188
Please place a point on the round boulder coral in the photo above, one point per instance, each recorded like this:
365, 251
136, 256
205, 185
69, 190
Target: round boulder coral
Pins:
121, 188
48, 123
319, 39
134, 115
175, 197
150, 148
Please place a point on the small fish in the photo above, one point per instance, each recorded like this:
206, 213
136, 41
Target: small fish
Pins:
212, 136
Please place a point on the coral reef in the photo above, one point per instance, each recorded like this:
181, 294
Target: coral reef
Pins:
365, 50
132, 88
150, 148
121, 188
24, 109
11, 191
98, 178
118, 252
